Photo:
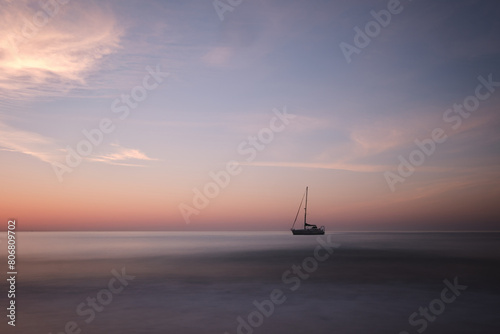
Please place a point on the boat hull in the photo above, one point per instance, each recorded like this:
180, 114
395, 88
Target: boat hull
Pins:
309, 231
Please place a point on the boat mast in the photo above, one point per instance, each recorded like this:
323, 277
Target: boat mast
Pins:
305, 209
298, 211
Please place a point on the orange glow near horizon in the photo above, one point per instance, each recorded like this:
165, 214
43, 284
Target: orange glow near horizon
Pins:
246, 204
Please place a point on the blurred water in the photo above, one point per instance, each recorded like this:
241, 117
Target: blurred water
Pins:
201, 282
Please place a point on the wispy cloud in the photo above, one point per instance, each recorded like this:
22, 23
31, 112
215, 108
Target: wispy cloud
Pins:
49, 150
26, 142
218, 56
122, 156
375, 147
312, 165
45, 51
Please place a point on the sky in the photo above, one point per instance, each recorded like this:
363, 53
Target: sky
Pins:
215, 115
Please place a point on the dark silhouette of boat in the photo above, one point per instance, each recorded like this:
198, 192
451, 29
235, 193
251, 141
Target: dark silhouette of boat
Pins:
309, 229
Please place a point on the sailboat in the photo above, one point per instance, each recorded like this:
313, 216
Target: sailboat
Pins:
309, 229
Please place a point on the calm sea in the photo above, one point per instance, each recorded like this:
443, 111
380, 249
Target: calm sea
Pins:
254, 282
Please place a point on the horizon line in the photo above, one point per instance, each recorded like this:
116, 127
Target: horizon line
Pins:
351, 231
